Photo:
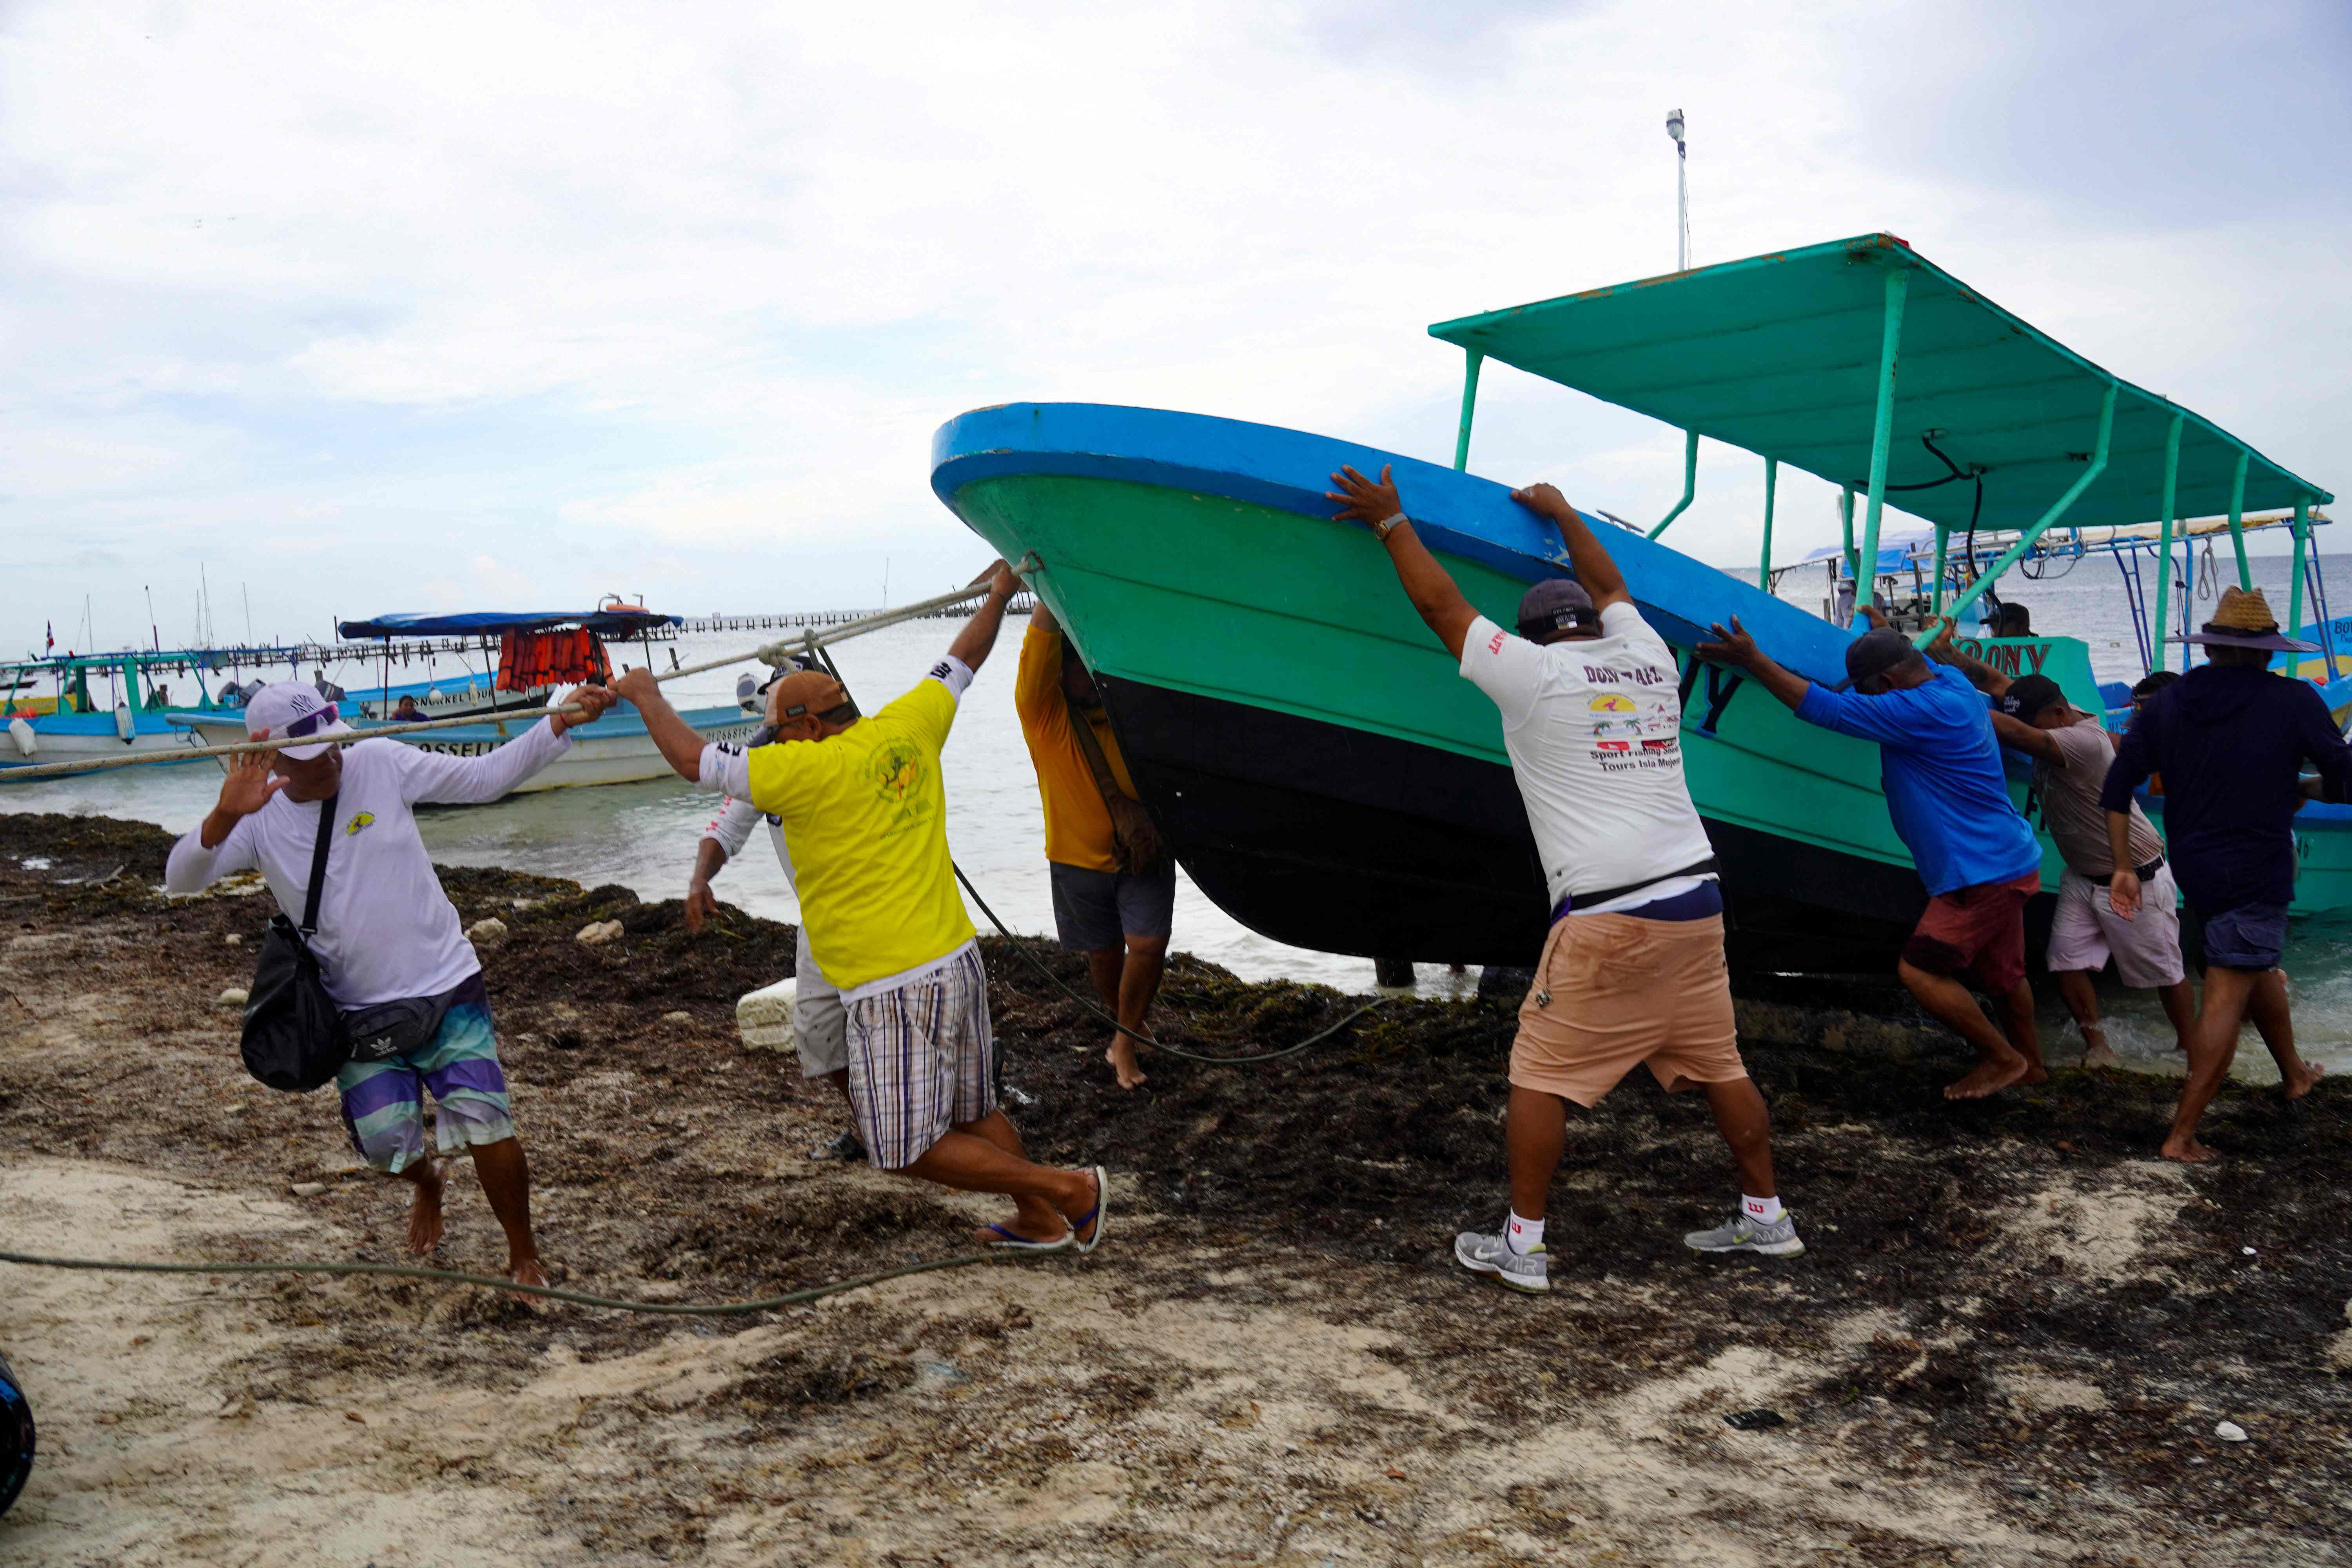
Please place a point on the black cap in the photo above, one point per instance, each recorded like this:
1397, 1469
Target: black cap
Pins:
1555, 605
2028, 695
1876, 652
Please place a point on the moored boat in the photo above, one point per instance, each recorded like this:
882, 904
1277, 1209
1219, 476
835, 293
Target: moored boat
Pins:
527, 656
1312, 756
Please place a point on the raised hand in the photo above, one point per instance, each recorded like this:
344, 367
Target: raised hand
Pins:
636, 686
1362, 500
595, 698
1545, 500
249, 785
1001, 580
1734, 647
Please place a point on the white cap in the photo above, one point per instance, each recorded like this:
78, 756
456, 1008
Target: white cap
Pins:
291, 707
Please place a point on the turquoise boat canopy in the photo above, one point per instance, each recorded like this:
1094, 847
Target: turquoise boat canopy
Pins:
1782, 354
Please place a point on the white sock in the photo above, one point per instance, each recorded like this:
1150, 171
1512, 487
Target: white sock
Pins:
1763, 1211
1523, 1235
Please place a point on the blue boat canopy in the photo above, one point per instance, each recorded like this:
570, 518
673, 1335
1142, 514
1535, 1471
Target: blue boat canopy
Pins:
491, 623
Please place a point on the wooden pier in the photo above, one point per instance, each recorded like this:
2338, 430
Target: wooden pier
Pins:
819, 619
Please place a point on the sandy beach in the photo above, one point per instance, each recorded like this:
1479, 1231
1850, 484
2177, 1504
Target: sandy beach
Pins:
2011, 1340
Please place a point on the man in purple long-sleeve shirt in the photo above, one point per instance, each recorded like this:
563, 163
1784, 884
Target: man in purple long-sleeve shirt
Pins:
2230, 738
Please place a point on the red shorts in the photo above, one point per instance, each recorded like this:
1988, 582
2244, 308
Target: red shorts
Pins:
1979, 930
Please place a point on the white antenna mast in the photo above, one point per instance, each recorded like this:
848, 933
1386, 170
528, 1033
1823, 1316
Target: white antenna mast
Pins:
1682, 191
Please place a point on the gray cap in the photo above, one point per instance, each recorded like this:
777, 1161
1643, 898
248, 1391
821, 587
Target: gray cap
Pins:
1876, 652
1555, 605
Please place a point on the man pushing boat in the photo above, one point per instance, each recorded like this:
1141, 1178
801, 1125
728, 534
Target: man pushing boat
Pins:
1633, 970
865, 806
387, 936
1940, 767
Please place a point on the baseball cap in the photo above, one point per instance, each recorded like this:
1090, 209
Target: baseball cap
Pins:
287, 708
1555, 605
805, 692
2028, 695
1874, 652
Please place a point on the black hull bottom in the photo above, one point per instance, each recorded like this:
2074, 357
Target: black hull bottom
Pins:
1298, 829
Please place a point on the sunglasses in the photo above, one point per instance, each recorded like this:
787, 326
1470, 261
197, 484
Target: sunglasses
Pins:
310, 723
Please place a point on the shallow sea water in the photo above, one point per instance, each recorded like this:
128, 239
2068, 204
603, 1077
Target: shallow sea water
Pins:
642, 835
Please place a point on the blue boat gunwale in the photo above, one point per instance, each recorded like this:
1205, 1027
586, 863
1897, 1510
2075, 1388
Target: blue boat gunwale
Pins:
1288, 471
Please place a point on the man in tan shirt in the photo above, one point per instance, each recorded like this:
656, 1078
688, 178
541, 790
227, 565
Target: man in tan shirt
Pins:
1119, 916
2071, 756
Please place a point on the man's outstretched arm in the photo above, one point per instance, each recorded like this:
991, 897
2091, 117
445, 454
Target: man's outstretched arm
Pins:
1596, 569
1435, 597
676, 738
979, 634
1737, 648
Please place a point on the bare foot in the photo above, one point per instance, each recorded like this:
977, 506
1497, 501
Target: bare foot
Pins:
425, 1209
525, 1271
2100, 1056
2034, 1073
1990, 1078
2300, 1084
1121, 1057
2187, 1150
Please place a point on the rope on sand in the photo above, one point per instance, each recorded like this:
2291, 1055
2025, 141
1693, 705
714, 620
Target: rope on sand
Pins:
1090, 1005
408, 1271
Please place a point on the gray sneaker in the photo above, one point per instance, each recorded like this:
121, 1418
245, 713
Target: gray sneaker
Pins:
1778, 1240
1528, 1271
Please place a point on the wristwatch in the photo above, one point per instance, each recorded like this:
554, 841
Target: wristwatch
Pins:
1386, 526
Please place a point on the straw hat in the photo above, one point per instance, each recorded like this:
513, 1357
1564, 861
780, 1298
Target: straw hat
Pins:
2243, 619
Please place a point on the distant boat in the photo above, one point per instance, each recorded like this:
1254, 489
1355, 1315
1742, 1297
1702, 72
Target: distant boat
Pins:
616, 749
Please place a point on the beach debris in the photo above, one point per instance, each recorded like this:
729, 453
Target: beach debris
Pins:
764, 1017
680, 1017
307, 1189
2231, 1432
2247, 1250
596, 933
1755, 1420
481, 934
233, 939
235, 996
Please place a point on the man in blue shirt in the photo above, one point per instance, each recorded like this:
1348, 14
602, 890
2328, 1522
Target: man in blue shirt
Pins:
1940, 767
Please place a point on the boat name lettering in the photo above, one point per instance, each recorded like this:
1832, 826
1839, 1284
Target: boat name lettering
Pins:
2009, 657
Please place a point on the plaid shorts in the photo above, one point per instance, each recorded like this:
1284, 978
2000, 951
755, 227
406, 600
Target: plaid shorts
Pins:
922, 1060
384, 1103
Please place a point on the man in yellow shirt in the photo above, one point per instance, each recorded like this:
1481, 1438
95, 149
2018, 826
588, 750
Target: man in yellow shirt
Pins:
1119, 917
864, 804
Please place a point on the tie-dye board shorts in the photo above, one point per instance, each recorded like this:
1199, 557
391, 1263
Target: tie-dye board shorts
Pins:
384, 1103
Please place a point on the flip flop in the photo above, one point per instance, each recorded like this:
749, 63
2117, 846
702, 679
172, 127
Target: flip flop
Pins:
1015, 1242
1099, 1216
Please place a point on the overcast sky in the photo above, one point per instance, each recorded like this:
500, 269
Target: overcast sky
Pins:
493, 306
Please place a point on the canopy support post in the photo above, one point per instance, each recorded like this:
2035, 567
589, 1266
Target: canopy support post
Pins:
1690, 482
2238, 521
1474, 358
2294, 593
2042, 525
1943, 546
1882, 428
2164, 549
1764, 566
1853, 563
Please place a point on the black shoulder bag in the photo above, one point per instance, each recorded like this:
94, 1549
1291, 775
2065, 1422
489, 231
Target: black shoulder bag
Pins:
295, 1038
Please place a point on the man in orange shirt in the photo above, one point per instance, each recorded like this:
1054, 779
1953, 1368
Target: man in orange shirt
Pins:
1114, 889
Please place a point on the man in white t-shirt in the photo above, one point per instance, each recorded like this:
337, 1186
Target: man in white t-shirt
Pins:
820, 1026
386, 932
1633, 972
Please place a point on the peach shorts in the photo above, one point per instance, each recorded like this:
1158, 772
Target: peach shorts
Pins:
1613, 991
